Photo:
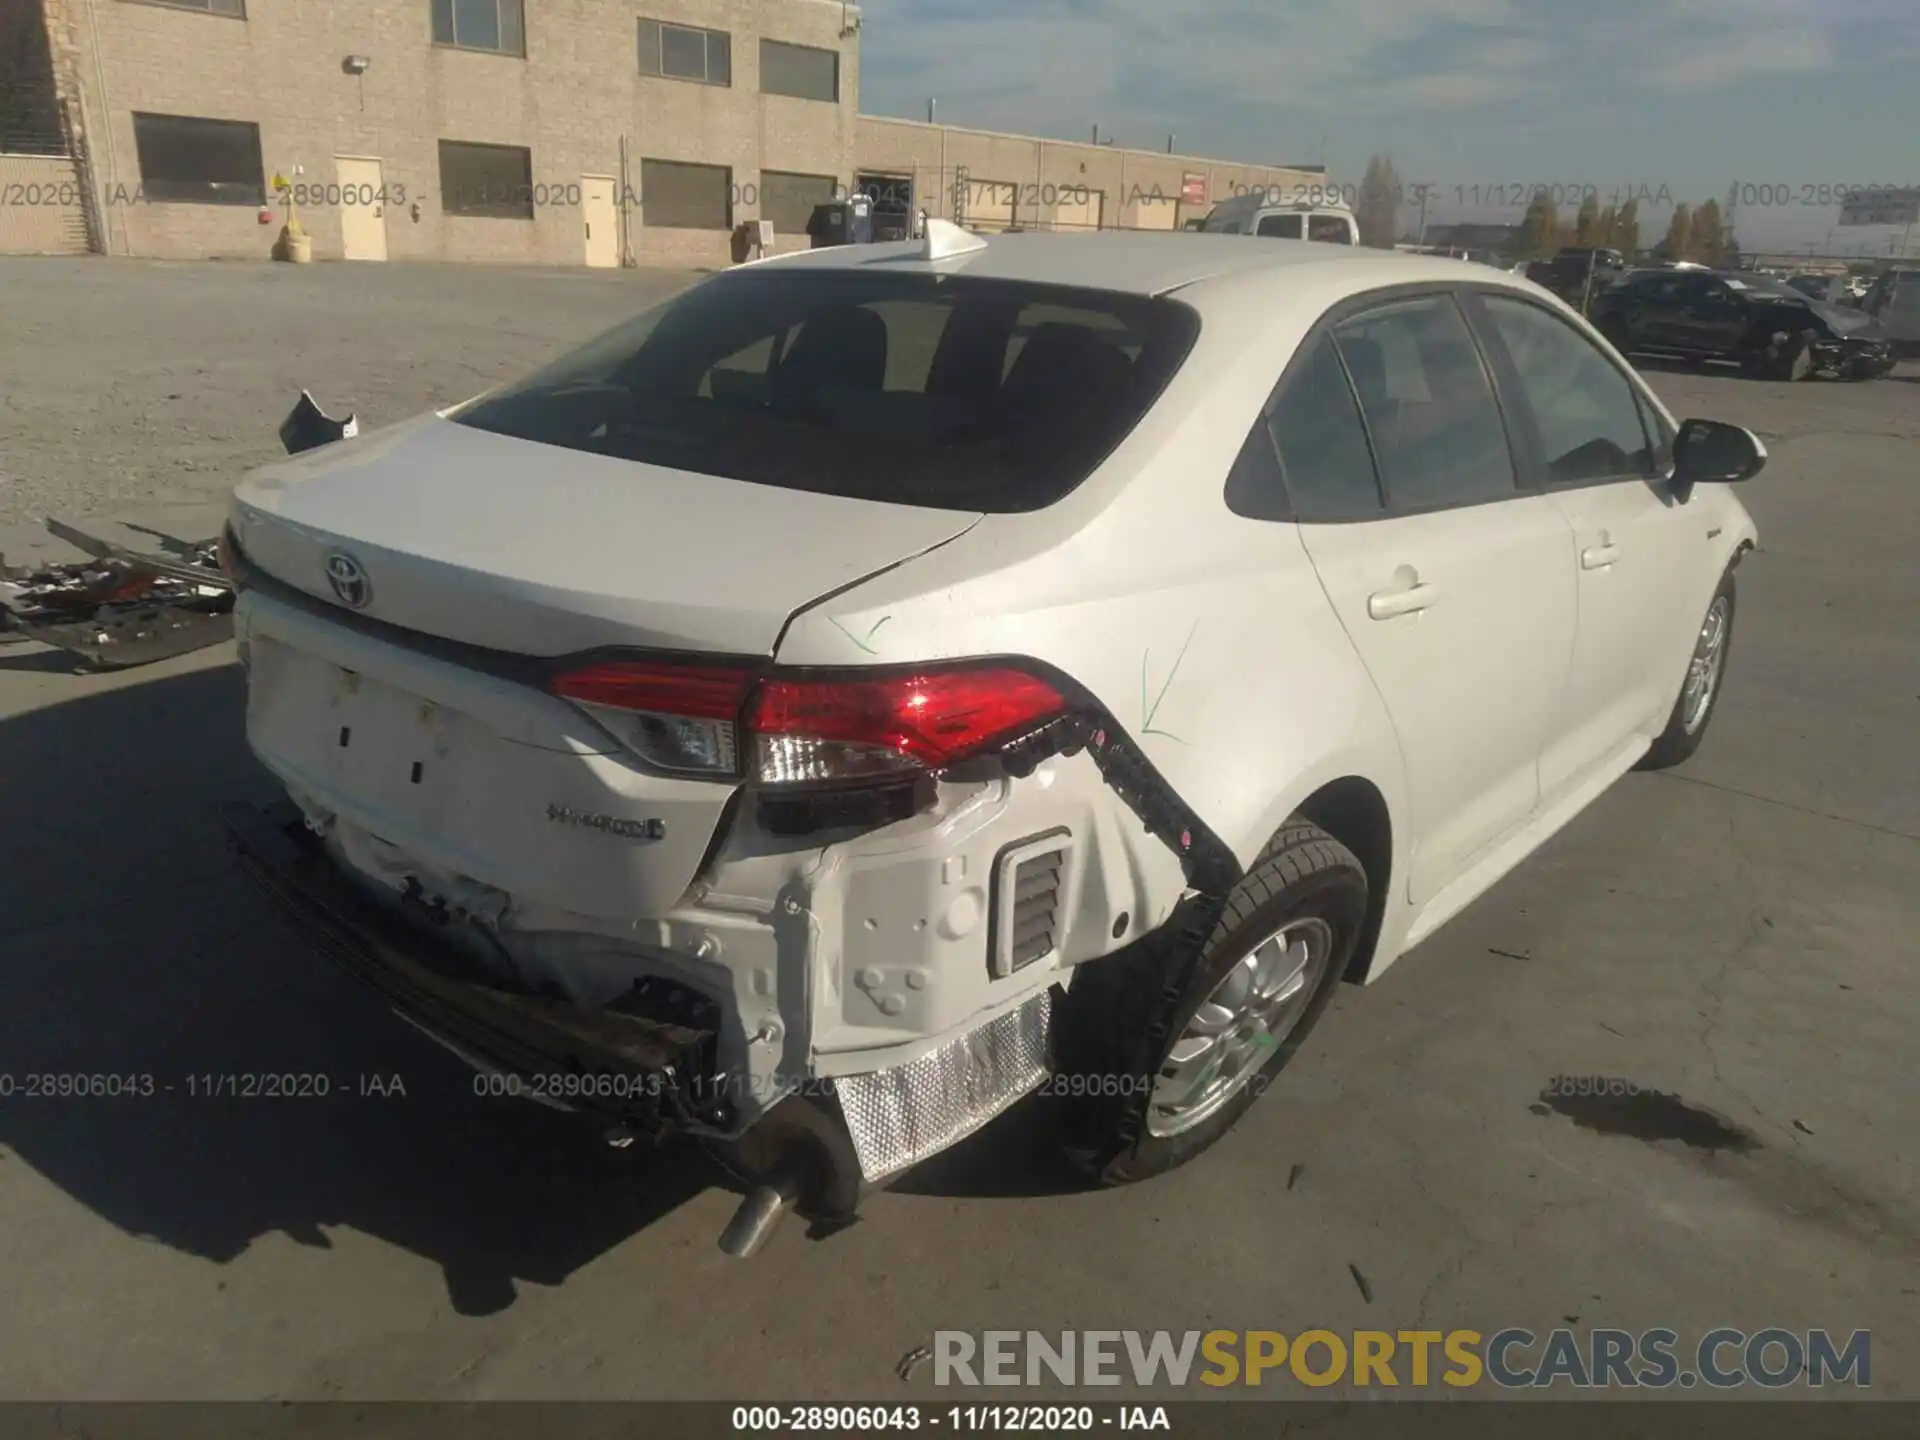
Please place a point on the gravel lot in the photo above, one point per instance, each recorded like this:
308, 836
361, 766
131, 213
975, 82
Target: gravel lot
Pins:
135, 384
1739, 933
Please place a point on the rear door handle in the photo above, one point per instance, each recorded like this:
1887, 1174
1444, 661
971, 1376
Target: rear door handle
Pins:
1386, 604
1598, 557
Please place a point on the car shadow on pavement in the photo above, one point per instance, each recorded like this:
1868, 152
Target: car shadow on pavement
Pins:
1021, 1155
138, 961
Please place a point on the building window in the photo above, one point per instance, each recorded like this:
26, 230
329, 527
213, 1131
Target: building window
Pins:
496, 25
678, 196
199, 162
236, 8
680, 52
491, 181
799, 70
787, 199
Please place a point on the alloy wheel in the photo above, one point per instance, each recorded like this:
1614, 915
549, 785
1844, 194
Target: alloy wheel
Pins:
1237, 1028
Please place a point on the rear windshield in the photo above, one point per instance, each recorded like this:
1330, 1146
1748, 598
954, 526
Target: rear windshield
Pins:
927, 390
1335, 228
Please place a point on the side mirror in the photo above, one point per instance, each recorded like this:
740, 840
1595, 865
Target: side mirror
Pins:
1710, 452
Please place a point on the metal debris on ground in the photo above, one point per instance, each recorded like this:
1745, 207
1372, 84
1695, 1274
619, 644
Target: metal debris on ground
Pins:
1360, 1282
121, 607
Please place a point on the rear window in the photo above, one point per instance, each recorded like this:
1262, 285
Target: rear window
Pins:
1335, 228
941, 391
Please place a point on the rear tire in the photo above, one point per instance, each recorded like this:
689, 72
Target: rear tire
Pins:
1706, 666
1133, 1048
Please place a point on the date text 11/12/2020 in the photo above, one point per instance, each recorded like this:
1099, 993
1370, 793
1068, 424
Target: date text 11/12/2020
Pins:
67, 1086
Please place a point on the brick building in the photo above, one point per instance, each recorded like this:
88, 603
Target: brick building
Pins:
598, 132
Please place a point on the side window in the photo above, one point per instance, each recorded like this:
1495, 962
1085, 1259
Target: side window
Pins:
1336, 229
1583, 408
1280, 227
1316, 428
1436, 427
1254, 486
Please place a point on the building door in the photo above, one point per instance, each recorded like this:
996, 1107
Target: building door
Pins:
990, 205
1078, 208
363, 208
1152, 208
601, 220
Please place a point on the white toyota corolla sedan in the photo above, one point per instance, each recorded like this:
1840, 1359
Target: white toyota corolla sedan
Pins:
883, 682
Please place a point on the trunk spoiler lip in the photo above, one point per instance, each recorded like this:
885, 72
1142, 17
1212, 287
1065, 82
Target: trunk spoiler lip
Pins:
507, 664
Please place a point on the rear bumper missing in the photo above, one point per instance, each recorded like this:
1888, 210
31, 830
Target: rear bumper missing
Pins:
823, 1149
630, 1070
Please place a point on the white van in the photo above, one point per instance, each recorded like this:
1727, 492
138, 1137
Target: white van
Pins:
1263, 212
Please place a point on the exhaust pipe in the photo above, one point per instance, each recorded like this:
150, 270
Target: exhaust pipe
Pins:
760, 1211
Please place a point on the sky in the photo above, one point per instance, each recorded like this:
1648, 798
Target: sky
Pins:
1476, 100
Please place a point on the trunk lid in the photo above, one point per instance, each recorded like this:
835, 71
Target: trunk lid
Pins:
473, 788
538, 550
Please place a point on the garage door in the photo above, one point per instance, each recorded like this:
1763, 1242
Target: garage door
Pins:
1077, 208
990, 204
1155, 212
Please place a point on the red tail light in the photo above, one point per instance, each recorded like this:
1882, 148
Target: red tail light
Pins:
806, 730
696, 692
689, 717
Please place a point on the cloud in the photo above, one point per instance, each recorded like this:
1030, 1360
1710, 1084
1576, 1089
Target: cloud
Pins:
1142, 65
1774, 52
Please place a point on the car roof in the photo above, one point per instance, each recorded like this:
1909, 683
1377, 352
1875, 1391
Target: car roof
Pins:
1258, 199
1130, 262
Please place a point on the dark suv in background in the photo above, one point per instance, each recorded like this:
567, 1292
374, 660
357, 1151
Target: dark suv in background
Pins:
1770, 329
1566, 274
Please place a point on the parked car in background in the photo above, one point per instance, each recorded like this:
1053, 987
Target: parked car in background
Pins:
1259, 213
1829, 289
673, 753
1894, 303
1575, 273
1769, 328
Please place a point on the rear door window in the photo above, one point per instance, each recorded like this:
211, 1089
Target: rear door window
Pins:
941, 391
1436, 428
1324, 457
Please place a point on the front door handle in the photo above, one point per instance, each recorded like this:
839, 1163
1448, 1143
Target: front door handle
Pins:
1598, 557
1386, 604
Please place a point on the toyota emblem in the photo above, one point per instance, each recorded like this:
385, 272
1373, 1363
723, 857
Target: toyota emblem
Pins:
348, 580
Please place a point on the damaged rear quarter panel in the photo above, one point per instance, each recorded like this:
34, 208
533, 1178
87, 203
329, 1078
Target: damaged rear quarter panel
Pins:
1233, 677
878, 944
